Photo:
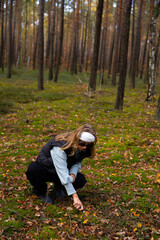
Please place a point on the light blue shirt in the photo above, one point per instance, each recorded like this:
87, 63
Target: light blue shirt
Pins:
59, 158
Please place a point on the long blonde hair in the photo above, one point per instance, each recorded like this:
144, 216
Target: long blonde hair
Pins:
72, 138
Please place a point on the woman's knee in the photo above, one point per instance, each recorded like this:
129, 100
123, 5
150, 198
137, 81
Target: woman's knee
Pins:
33, 170
80, 181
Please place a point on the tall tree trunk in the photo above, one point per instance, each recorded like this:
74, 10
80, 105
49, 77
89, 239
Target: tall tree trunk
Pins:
146, 40
33, 34
132, 41
136, 48
14, 32
19, 32
60, 41
89, 32
76, 42
117, 44
9, 65
52, 41
6, 34
83, 42
93, 76
57, 26
26, 30
110, 55
124, 53
2, 37
104, 39
152, 52
41, 44
71, 48
157, 114
35, 48
48, 34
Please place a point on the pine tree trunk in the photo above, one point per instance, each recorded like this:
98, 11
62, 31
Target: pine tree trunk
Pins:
9, 65
14, 32
48, 35
2, 37
117, 44
132, 41
19, 33
83, 43
41, 45
89, 33
124, 53
157, 115
52, 41
112, 43
26, 29
94, 65
136, 48
35, 48
152, 52
146, 40
70, 61
104, 43
60, 41
152, 59
33, 33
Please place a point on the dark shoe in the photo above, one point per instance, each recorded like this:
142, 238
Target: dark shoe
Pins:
34, 191
46, 199
60, 193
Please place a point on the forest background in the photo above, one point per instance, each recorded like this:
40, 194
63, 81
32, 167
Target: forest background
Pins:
64, 63
84, 36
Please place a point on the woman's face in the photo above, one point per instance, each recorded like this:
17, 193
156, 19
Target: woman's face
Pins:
83, 145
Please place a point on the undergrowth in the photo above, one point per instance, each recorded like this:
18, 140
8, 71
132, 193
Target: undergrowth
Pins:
121, 198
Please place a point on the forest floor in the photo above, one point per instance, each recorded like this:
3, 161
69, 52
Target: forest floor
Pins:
122, 196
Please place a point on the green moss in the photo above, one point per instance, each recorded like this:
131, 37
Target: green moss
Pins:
48, 233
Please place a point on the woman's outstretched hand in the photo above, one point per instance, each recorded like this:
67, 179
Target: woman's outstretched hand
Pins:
77, 203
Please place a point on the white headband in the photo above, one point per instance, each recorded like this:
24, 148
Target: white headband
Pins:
87, 137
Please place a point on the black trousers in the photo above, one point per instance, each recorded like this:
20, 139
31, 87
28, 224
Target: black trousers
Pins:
38, 176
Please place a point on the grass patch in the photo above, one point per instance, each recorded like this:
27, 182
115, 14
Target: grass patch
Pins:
121, 198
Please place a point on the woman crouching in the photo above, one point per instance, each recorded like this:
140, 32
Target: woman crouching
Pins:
60, 161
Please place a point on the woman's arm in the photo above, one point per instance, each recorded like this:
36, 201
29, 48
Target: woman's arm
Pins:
59, 158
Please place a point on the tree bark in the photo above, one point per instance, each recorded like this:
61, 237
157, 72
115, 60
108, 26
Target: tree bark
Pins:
60, 41
117, 44
136, 47
110, 55
41, 45
52, 41
83, 41
48, 34
26, 29
89, 33
2, 37
92, 83
152, 52
124, 53
19, 33
132, 40
146, 40
104, 39
157, 115
35, 48
9, 65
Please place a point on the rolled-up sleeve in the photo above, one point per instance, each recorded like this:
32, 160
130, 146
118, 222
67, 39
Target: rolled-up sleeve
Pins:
75, 168
59, 158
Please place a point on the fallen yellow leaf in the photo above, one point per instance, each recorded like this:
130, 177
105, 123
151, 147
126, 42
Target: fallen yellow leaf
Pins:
139, 224
85, 221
